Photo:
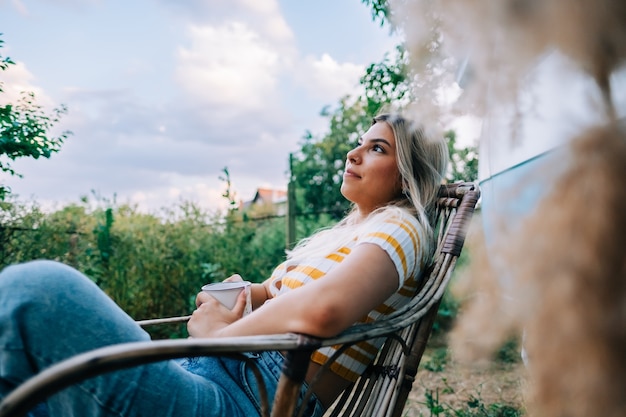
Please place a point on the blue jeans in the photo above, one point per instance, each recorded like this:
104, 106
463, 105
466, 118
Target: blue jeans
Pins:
49, 312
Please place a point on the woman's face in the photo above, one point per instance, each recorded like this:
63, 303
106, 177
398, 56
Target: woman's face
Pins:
372, 178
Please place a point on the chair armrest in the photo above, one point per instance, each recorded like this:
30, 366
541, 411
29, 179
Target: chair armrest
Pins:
125, 355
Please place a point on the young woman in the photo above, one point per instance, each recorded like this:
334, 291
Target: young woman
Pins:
365, 267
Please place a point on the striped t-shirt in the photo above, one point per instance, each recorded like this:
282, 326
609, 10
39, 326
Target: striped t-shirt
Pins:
401, 237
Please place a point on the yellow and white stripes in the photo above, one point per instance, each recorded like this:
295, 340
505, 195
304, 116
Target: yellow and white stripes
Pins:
400, 236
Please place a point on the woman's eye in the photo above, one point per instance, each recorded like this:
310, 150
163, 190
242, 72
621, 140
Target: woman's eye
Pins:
378, 148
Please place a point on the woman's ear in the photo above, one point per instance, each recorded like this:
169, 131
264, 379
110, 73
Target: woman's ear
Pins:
404, 186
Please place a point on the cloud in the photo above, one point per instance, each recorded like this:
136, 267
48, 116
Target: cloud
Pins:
17, 79
20, 7
229, 65
122, 145
237, 94
270, 20
326, 78
263, 16
182, 189
234, 63
23, 10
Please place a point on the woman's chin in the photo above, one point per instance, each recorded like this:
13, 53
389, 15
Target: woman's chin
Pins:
345, 192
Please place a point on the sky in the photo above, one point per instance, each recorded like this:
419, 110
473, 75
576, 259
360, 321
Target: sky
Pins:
162, 95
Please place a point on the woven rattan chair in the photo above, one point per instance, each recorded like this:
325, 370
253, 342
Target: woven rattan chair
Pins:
381, 391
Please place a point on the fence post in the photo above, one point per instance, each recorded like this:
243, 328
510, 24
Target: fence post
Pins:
291, 208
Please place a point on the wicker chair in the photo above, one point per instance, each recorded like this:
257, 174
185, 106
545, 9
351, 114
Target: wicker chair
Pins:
381, 391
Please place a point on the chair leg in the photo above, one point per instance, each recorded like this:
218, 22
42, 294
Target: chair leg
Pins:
424, 331
293, 374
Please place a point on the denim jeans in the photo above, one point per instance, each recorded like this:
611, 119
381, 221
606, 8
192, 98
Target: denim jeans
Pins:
49, 312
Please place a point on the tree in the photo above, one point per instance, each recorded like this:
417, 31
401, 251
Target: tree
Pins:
318, 166
24, 129
463, 161
380, 10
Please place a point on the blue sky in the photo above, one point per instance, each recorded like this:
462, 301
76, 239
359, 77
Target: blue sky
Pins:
163, 94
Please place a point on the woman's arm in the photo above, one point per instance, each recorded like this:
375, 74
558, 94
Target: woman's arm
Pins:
363, 281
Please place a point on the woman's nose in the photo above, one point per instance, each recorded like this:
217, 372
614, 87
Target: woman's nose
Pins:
353, 156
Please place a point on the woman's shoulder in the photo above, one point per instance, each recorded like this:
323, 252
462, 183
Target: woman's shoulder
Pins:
395, 214
399, 233
393, 220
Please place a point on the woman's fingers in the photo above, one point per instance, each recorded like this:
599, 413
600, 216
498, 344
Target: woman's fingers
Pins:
240, 305
202, 297
211, 315
234, 278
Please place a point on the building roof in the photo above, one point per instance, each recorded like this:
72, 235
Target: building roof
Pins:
269, 195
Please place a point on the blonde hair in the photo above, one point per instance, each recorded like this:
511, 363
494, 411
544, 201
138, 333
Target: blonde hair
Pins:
422, 163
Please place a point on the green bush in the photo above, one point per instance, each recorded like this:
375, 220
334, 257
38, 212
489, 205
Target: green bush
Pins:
152, 266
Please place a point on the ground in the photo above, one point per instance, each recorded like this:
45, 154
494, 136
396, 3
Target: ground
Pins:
444, 388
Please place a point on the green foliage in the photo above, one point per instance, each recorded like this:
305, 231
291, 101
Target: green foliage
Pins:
436, 360
152, 266
386, 82
228, 194
474, 407
380, 10
431, 401
24, 130
317, 169
509, 352
448, 310
449, 307
4, 62
463, 161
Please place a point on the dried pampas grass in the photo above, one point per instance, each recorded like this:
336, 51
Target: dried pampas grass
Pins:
576, 267
504, 38
569, 279
566, 265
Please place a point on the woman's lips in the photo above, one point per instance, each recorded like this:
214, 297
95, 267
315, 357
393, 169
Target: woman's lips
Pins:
350, 173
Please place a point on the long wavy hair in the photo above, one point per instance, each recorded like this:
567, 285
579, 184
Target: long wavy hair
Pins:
422, 163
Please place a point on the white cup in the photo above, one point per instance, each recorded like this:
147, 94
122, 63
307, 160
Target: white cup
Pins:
227, 293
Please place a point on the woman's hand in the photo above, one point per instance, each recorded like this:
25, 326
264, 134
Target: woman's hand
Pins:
258, 292
234, 278
211, 316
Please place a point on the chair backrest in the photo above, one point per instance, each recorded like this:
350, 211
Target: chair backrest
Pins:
384, 388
